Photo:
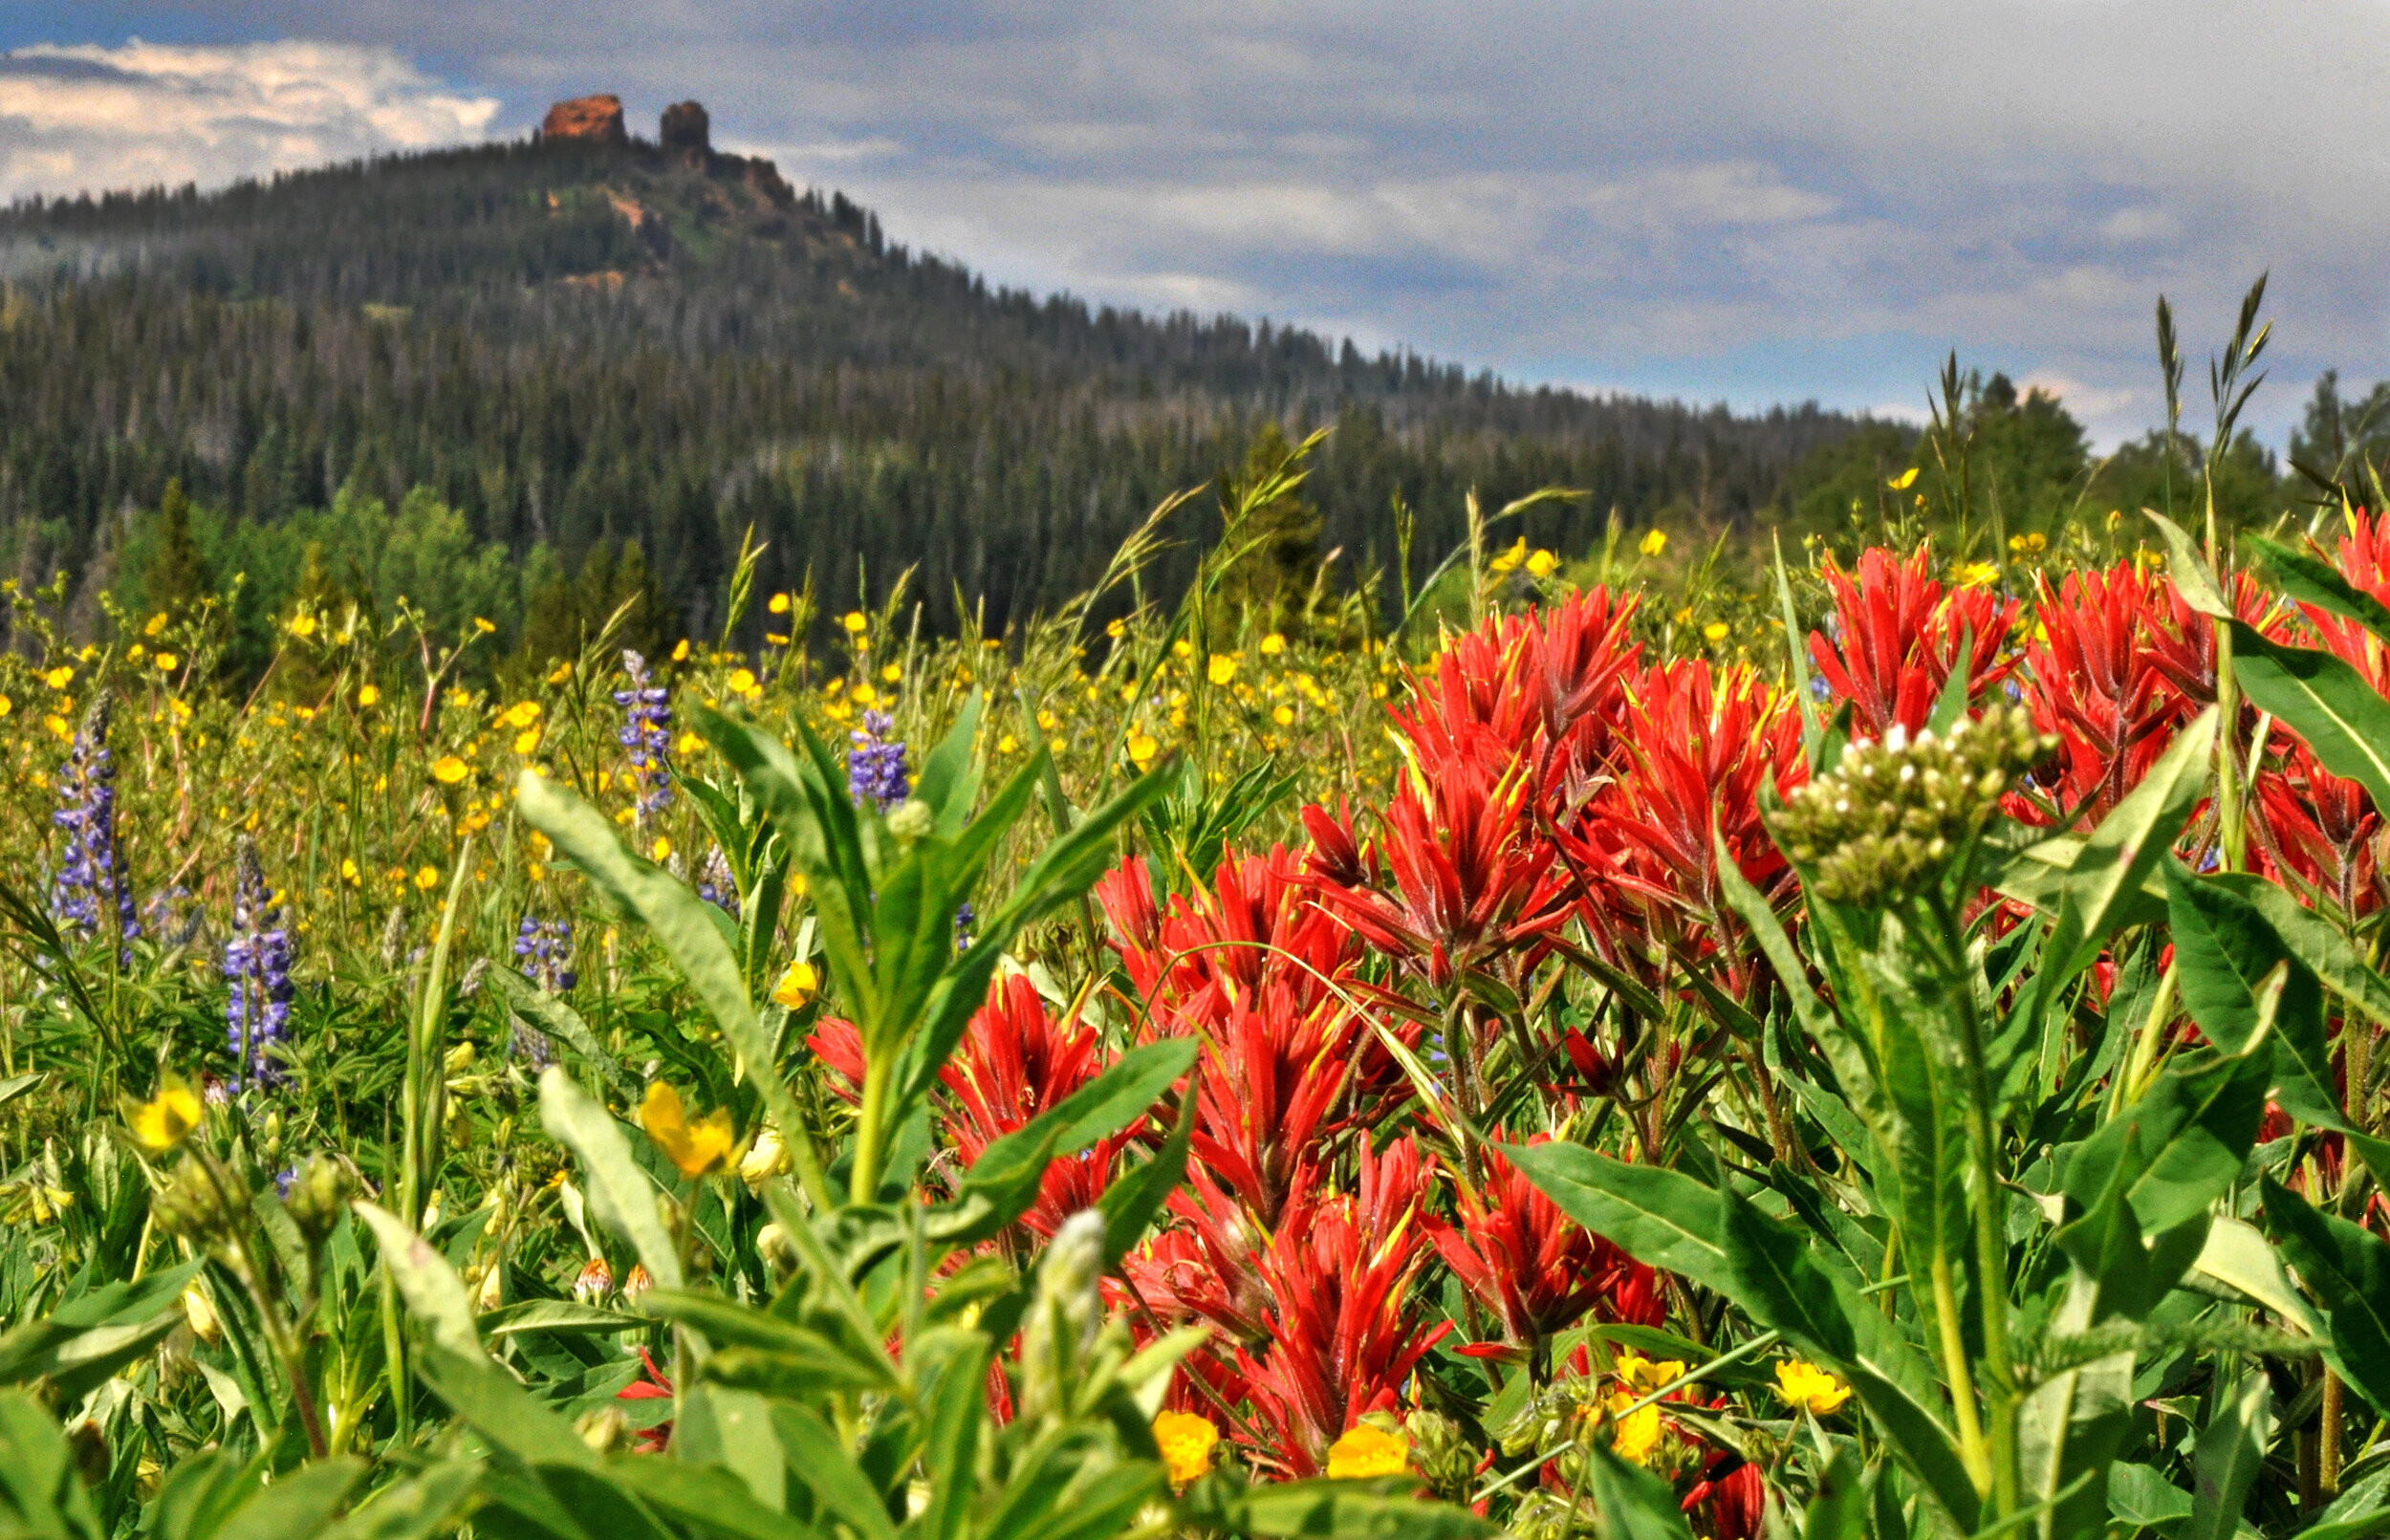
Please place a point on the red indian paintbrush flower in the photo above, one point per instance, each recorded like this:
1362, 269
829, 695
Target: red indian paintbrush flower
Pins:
1537, 1269
1898, 636
2095, 681
1013, 1063
1342, 1334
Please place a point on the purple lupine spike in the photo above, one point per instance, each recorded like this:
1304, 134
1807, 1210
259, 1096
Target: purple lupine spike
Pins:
258, 969
544, 950
714, 883
90, 880
646, 736
875, 769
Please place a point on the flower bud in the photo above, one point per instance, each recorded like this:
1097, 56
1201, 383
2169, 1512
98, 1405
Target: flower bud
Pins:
323, 1188
911, 820
1065, 1315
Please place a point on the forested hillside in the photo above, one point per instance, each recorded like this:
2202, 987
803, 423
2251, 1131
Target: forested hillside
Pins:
574, 345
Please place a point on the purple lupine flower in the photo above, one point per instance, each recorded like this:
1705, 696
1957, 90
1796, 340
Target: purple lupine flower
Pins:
645, 736
544, 949
966, 926
90, 880
875, 769
714, 884
257, 967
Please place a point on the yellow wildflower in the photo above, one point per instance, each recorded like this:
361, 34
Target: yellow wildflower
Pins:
448, 770
427, 877
1187, 1443
892, 673
1008, 744
864, 696
527, 740
1510, 560
560, 673
743, 682
1902, 482
367, 695
2027, 545
167, 1118
483, 626
680, 651
1977, 575
348, 871
857, 623
302, 625
520, 715
1272, 644
1368, 1451
58, 678
1654, 543
157, 623
1115, 631
798, 984
1642, 1375
1809, 1387
660, 850
1181, 648
1637, 1433
779, 604
1542, 564
1142, 749
1222, 668
1283, 716
1717, 631
698, 1148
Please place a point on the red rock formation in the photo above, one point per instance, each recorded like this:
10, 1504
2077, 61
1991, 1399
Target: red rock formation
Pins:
685, 128
591, 117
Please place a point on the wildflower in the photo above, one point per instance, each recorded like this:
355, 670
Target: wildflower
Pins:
679, 652
1222, 668
638, 1283
1283, 716
448, 770
527, 741
1717, 631
762, 1160
1645, 1376
1902, 482
258, 969
864, 694
483, 626
560, 673
58, 678
1142, 749
348, 872
90, 879
1187, 1443
302, 624
543, 949
1892, 815
167, 662
798, 984
742, 681
1897, 639
1542, 564
1366, 1450
1510, 561
427, 877
1013, 1063
1976, 574
2029, 545
1654, 543
779, 604
857, 623
521, 714
698, 1148
1637, 1433
1272, 644
646, 734
660, 850
595, 1281
201, 1314
166, 1120
1532, 1267
367, 695
875, 769
1810, 1388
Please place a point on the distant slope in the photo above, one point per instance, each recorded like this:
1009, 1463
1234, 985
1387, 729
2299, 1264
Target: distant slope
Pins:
577, 344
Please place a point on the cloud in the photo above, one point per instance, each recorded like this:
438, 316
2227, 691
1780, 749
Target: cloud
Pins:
84, 117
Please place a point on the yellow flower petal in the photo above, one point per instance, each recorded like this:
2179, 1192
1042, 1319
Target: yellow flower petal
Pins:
167, 1118
699, 1148
1187, 1443
1368, 1451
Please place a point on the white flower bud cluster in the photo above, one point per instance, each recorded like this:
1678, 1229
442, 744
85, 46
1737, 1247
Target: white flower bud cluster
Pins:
1892, 815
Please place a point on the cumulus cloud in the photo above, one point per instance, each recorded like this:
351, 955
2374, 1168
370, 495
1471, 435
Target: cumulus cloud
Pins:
86, 116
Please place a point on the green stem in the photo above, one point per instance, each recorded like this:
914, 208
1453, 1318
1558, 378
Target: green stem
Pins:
2137, 1069
865, 1183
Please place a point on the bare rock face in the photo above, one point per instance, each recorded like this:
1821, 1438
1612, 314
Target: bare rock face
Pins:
686, 129
591, 117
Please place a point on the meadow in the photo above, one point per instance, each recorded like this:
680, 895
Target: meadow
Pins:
1871, 1040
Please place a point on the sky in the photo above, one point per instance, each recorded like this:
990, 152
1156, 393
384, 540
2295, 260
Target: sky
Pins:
1754, 203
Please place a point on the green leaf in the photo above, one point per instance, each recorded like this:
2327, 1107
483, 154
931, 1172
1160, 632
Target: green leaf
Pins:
947, 781
703, 1500
623, 1193
1380, 1509
2237, 1255
2187, 1138
434, 1293
958, 1407
89, 1337
501, 1412
558, 1020
1633, 1504
2187, 565
414, 1509
2343, 718
685, 923
1135, 1198
299, 1506
2349, 1271
1660, 1218
1837, 1510
1774, 1277
817, 1458
561, 1317
2224, 952
2312, 580
2144, 1499
2231, 1449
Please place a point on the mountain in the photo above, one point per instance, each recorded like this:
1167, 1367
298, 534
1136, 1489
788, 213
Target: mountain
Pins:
588, 339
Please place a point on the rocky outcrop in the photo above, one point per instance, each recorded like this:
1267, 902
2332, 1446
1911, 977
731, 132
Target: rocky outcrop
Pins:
598, 119
686, 129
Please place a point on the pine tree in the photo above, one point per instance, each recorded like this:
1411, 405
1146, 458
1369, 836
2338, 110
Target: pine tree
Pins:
178, 576
1269, 587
